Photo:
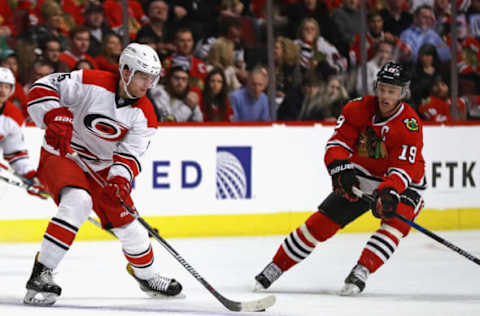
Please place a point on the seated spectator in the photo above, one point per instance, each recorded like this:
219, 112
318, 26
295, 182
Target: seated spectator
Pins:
221, 55
83, 64
422, 32
215, 103
174, 102
250, 103
473, 19
184, 57
96, 24
157, 31
428, 67
7, 23
437, 107
288, 76
111, 50
41, 68
136, 16
80, 41
384, 55
199, 16
51, 53
396, 17
468, 48
19, 97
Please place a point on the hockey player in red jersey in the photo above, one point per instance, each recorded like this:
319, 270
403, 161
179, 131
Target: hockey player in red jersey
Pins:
376, 146
11, 136
108, 121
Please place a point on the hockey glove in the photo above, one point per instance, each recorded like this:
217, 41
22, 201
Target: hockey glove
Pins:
343, 178
117, 188
386, 202
35, 187
59, 122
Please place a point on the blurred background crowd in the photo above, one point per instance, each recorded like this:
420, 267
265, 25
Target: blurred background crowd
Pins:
215, 53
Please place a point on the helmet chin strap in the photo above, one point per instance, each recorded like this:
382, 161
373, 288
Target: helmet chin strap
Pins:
125, 85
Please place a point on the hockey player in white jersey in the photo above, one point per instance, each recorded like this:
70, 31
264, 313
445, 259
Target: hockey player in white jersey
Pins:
11, 136
108, 121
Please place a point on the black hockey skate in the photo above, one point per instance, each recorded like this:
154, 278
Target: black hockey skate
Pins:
355, 281
157, 286
269, 275
41, 289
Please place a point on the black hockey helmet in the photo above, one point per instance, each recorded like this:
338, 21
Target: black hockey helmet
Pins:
394, 74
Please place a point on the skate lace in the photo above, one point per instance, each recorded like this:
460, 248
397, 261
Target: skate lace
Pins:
159, 282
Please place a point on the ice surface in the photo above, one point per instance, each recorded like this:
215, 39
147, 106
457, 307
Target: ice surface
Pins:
422, 278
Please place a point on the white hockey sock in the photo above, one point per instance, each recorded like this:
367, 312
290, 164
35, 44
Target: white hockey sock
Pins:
74, 208
137, 249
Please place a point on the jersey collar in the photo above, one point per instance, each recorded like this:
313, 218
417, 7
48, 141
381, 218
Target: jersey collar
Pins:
122, 102
378, 120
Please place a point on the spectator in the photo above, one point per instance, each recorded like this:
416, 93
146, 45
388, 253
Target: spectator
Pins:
374, 36
95, 22
436, 107
83, 64
442, 12
250, 103
184, 57
19, 97
427, 68
80, 41
215, 103
7, 23
288, 76
395, 17
174, 102
41, 68
157, 31
347, 20
473, 19
384, 55
111, 50
221, 55
468, 54
51, 49
316, 9
421, 32
136, 16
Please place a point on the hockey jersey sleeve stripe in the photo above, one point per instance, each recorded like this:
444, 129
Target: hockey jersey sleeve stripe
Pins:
14, 157
125, 166
403, 175
130, 160
42, 85
42, 100
335, 143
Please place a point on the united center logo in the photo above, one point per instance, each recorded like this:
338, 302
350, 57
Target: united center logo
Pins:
234, 173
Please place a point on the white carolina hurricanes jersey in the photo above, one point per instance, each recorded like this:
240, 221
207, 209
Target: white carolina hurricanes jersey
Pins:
107, 130
11, 138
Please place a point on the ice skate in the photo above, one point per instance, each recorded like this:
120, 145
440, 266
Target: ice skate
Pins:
269, 275
158, 286
41, 289
355, 281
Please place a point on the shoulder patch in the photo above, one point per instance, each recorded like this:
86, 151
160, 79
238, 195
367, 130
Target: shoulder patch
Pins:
411, 124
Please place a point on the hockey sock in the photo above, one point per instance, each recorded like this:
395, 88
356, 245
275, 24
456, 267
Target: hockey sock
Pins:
380, 247
137, 249
74, 208
301, 242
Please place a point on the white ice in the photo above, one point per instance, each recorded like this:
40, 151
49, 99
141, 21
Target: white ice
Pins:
422, 278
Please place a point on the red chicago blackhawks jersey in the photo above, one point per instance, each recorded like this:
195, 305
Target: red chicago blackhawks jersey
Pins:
107, 130
11, 138
385, 150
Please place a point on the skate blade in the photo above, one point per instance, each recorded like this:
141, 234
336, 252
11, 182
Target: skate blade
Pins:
39, 298
159, 296
349, 290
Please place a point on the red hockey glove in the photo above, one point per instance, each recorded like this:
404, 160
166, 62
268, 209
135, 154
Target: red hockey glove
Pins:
386, 202
59, 131
344, 178
35, 187
117, 188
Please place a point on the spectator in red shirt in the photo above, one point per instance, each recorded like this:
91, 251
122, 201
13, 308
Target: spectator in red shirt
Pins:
215, 104
184, 57
136, 16
111, 50
7, 25
80, 41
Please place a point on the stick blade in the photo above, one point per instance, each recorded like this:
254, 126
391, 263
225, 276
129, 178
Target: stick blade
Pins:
257, 305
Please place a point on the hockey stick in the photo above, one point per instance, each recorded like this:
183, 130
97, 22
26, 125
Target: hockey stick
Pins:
249, 306
45, 194
469, 256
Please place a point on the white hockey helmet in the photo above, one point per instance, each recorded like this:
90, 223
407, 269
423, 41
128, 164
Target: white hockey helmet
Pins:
140, 57
6, 76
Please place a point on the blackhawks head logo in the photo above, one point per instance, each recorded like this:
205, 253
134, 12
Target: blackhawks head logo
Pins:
411, 124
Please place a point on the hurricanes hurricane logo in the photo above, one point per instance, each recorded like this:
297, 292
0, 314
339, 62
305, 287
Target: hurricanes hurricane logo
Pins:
105, 127
411, 124
233, 173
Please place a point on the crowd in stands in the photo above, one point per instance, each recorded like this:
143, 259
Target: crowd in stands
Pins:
214, 53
